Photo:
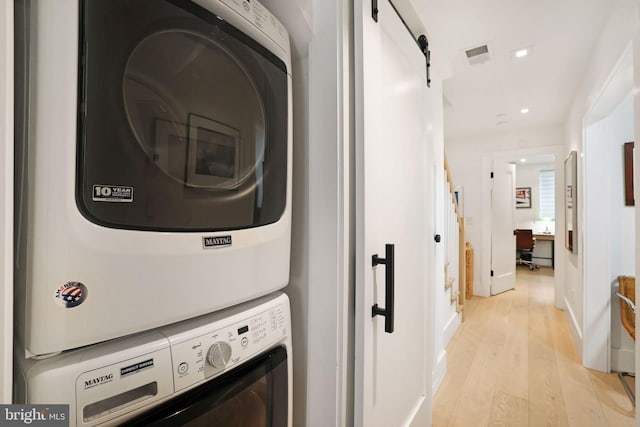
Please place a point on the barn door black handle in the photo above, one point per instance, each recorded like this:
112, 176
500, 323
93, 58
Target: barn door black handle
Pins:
387, 312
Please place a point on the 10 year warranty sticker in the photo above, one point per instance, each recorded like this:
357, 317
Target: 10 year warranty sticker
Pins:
112, 193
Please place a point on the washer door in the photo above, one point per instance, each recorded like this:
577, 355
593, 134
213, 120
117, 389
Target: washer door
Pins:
182, 120
252, 395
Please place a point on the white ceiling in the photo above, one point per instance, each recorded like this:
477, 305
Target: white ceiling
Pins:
487, 98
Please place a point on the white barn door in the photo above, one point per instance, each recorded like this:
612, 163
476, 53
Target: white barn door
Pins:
393, 115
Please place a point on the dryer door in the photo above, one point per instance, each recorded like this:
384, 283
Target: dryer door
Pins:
182, 120
254, 394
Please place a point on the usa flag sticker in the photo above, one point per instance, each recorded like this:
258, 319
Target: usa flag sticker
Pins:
71, 294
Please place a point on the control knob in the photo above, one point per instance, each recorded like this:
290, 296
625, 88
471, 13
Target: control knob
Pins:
219, 354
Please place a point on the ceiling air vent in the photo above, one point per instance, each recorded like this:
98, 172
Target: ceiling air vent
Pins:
477, 55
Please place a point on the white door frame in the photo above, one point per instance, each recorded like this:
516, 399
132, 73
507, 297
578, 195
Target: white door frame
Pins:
6, 202
487, 161
329, 310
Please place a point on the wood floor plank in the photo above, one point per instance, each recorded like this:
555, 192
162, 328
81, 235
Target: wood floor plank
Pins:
581, 401
513, 378
508, 411
476, 397
546, 401
513, 363
466, 341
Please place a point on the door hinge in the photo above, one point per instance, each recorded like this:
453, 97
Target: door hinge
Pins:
515, 232
491, 174
374, 10
491, 273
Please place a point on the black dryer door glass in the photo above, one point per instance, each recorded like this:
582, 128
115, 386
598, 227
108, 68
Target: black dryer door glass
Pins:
182, 120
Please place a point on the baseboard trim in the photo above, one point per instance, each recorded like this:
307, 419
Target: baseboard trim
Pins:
623, 360
451, 327
574, 326
439, 371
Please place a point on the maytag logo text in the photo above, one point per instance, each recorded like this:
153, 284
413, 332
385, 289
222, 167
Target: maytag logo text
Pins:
216, 241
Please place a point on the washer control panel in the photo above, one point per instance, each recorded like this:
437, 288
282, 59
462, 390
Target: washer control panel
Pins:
221, 348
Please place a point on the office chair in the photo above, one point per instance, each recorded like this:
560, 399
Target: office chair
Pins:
525, 242
627, 296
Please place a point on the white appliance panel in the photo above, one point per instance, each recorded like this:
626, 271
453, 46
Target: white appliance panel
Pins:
209, 354
93, 375
109, 383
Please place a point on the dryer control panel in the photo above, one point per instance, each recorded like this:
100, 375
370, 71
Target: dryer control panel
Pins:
222, 347
258, 15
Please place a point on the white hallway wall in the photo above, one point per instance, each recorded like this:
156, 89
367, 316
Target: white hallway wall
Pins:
612, 247
616, 36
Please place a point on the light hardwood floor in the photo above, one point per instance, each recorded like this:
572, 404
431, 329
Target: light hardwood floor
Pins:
513, 363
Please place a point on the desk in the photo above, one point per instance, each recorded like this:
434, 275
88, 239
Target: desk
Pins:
543, 237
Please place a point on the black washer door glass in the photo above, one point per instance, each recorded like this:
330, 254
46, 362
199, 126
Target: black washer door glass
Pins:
183, 120
252, 395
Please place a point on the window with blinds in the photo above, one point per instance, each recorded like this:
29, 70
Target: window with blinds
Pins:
547, 204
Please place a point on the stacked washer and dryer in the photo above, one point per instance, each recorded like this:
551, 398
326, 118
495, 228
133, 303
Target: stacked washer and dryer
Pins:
153, 211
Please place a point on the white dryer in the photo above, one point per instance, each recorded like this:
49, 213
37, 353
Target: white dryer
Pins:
153, 179
231, 368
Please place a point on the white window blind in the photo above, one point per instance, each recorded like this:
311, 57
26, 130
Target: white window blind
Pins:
547, 195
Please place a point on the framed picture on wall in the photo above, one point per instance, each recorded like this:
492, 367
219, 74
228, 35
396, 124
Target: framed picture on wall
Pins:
571, 205
523, 197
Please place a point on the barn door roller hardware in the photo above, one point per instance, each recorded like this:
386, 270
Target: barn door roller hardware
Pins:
421, 41
424, 46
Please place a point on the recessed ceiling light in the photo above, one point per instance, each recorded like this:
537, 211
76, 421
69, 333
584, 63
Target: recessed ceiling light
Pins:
524, 110
523, 160
521, 53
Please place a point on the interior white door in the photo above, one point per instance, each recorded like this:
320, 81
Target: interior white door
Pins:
392, 370
503, 220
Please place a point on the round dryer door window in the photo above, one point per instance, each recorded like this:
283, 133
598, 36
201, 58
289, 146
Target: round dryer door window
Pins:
217, 152
183, 120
